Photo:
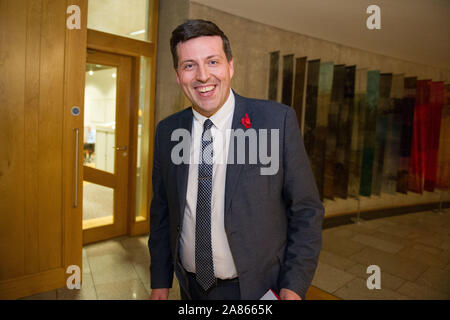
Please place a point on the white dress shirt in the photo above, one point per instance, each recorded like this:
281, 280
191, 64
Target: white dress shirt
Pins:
224, 267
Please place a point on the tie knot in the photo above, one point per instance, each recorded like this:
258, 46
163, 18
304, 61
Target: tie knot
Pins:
207, 125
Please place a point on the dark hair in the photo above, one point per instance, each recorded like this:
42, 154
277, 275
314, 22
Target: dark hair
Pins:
193, 29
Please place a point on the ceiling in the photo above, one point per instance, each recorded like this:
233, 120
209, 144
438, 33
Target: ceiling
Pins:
411, 30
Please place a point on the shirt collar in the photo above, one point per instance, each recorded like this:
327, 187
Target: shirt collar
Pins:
219, 118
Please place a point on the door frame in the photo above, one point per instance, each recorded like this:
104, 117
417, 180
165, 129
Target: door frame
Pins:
118, 180
135, 49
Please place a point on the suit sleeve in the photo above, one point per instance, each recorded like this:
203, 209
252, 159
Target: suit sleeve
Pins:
161, 265
304, 211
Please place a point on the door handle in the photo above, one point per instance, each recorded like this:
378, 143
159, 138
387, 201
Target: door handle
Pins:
122, 148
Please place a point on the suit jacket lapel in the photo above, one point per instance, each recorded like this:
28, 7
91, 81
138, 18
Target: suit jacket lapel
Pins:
234, 170
183, 168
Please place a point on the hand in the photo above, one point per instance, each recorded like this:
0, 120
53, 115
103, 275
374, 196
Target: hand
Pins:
159, 294
286, 294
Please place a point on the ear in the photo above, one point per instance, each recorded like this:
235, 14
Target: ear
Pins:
230, 63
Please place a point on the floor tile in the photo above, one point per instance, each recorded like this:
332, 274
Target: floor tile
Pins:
388, 280
421, 292
111, 268
122, 290
398, 266
86, 292
436, 278
377, 243
424, 256
105, 248
329, 278
340, 246
335, 260
357, 290
143, 272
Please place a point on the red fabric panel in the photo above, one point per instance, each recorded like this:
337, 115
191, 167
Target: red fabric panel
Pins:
419, 137
432, 134
443, 170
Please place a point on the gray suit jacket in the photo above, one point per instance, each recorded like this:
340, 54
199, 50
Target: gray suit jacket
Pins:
273, 222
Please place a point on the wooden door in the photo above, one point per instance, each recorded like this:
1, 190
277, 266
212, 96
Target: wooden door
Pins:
41, 82
106, 145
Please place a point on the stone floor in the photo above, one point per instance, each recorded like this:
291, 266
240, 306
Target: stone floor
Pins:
411, 250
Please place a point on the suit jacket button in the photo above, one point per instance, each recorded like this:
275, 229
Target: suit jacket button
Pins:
178, 229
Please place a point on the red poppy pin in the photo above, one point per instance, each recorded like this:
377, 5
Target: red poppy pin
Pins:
246, 121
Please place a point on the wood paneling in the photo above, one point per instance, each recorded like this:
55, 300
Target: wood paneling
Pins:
75, 61
50, 133
117, 44
32, 87
13, 32
36, 81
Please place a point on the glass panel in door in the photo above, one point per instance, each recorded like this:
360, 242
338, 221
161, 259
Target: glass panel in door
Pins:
99, 142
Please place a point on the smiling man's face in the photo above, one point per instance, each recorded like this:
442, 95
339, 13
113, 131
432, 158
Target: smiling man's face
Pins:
204, 73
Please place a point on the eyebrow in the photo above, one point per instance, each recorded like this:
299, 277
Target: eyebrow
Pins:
207, 58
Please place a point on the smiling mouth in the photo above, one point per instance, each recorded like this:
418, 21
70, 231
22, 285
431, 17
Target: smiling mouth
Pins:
206, 89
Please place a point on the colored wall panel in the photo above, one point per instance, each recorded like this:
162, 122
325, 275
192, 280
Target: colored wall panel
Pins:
344, 135
432, 134
288, 76
336, 104
320, 133
443, 166
358, 126
381, 131
393, 136
273, 75
419, 138
312, 86
407, 117
372, 96
299, 89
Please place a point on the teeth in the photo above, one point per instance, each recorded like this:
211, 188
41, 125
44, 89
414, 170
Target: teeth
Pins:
206, 89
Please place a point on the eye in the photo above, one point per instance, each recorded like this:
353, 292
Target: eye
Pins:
188, 66
213, 62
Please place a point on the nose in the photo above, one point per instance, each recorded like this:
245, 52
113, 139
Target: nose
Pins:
202, 73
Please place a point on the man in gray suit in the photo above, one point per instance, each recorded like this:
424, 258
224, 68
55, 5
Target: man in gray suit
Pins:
229, 229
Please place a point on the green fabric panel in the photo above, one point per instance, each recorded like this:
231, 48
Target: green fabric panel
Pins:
372, 96
381, 131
